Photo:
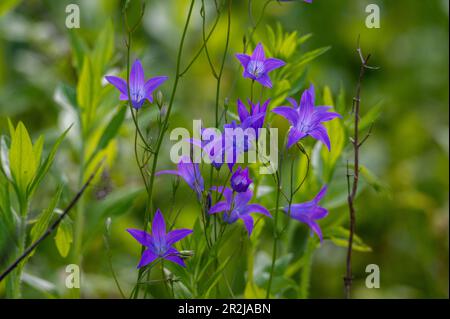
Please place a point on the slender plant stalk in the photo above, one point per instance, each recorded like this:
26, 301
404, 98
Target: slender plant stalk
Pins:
275, 239
353, 186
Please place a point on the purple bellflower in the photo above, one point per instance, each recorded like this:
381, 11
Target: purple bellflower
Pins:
159, 243
255, 118
240, 180
139, 88
236, 206
309, 212
257, 67
306, 119
190, 172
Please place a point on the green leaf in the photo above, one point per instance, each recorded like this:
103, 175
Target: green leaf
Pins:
37, 149
110, 132
45, 166
336, 133
214, 279
45, 217
103, 49
339, 236
85, 92
21, 159
79, 48
64, 236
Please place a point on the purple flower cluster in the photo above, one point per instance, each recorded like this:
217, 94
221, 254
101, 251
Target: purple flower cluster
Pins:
236, 201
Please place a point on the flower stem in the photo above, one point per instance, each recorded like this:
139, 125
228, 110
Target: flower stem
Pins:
275, 239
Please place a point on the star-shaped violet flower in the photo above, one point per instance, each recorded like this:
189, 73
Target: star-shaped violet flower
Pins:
306, 119
190, 172
236, 206
309, 212
139, 88
159, 243
257, 67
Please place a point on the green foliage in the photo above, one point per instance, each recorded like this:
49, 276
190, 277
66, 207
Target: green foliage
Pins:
64, 236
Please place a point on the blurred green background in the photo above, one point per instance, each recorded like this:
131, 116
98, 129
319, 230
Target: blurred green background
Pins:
406, 226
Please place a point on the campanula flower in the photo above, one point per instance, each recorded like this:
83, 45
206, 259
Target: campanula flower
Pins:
257, 67
240, 180
255, 118
139, 88
190, 172
236, 206
159, 243
309, 212
306, 119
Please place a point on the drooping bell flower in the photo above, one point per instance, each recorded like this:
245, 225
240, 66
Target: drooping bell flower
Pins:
306, 119
159, 244
140, 89
257, 67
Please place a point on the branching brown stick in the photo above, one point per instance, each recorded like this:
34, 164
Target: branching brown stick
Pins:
53, 226
353, 185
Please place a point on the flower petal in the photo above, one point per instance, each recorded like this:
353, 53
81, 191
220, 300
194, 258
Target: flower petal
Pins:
137, 79
248, 222
159, 229
321, 194
256, 208
141, 236
152, 84
307, 101
241, 199
272, 64
288, 113
242, 110
265, 80
176, 235
244, 59
119, 83
258, 53
294, 136
219, 207
148, 256
320, 134
173, 255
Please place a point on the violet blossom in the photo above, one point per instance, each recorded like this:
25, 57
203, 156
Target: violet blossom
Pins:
159, 243
257, 67
191, 174
236, 206
255, 118
306, 118
309, 212
139, 88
